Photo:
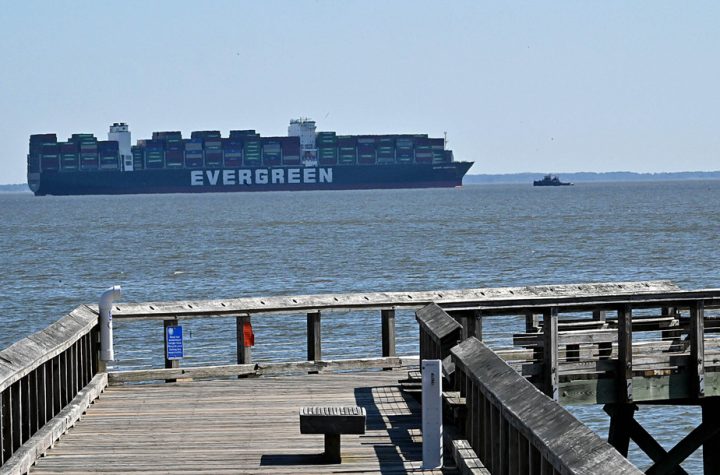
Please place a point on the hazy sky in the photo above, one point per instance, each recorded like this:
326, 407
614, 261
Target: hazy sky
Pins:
519, 86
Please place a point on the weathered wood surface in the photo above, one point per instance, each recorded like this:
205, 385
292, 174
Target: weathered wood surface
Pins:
240, 426
511, 405
436, 323
460, 299
260, 369
19, 359
43, 439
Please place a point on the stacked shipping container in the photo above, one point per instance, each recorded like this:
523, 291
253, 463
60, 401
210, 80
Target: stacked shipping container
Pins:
243, 148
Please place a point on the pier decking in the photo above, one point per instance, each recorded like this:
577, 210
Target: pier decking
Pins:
623, 345
240, 426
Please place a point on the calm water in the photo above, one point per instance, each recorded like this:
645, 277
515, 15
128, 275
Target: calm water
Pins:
58, 252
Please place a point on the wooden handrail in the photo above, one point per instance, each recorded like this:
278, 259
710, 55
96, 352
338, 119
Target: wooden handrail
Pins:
463, 298
438, 332
41, 374
513, 427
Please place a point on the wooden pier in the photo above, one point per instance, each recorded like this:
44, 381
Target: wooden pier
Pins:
624, 345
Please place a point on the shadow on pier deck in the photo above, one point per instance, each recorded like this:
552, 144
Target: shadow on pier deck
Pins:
240, 426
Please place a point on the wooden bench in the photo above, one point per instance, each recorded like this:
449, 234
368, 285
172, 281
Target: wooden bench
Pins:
332, 421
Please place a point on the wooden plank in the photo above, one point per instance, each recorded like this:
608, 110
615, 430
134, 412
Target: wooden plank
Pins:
550, 352
38, 444
29, 353
260, 368
711, 445
530, 412
377, 300
625, 354
387, 317
697, 347
244, 348
232, 431
437, 323
314, 337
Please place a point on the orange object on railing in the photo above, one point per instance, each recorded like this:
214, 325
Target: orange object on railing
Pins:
248, 334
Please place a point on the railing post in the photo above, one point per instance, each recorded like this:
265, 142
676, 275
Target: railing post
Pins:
244, 347
697, 347
532, 322
168, 362
3, 430
432, 429
625, 362
314, 338
477, 330
16, 416
388, 332
550, 352
599, 315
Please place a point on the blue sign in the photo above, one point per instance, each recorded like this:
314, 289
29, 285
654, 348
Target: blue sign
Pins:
173, 337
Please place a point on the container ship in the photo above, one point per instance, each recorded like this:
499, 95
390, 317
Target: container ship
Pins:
243, 161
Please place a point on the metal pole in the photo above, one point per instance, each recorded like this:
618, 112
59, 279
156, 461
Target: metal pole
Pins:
106, 329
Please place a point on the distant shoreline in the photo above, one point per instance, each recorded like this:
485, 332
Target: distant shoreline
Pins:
527, 178
590, 177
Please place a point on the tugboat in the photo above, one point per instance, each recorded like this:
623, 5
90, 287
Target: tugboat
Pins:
551, 180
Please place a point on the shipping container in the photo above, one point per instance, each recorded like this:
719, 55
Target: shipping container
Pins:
40, 139
213, 144
193, 145
194, 158
138, 158
49, 162
33, 163
154, 145
70, 161
88, 161
109, 162
154, 159
174, 159
213, 158
69, 147
173, 135
107, 146
205, 134
232, 158
346, 141
242, 134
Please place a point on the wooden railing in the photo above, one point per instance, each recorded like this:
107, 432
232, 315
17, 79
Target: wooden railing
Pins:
318, 307
439, 332
41, 376
246, 366
516, 429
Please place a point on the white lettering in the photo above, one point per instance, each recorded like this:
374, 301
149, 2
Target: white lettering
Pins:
278, 175
293, 175
261, 176
309, 175
245, 177
228, 177
213, 176
196, 178
326, 175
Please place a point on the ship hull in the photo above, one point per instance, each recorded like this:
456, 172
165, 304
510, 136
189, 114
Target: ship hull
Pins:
251, 179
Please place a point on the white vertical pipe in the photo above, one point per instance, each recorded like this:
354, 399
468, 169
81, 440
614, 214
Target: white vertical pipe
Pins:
432, 433
106, 331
